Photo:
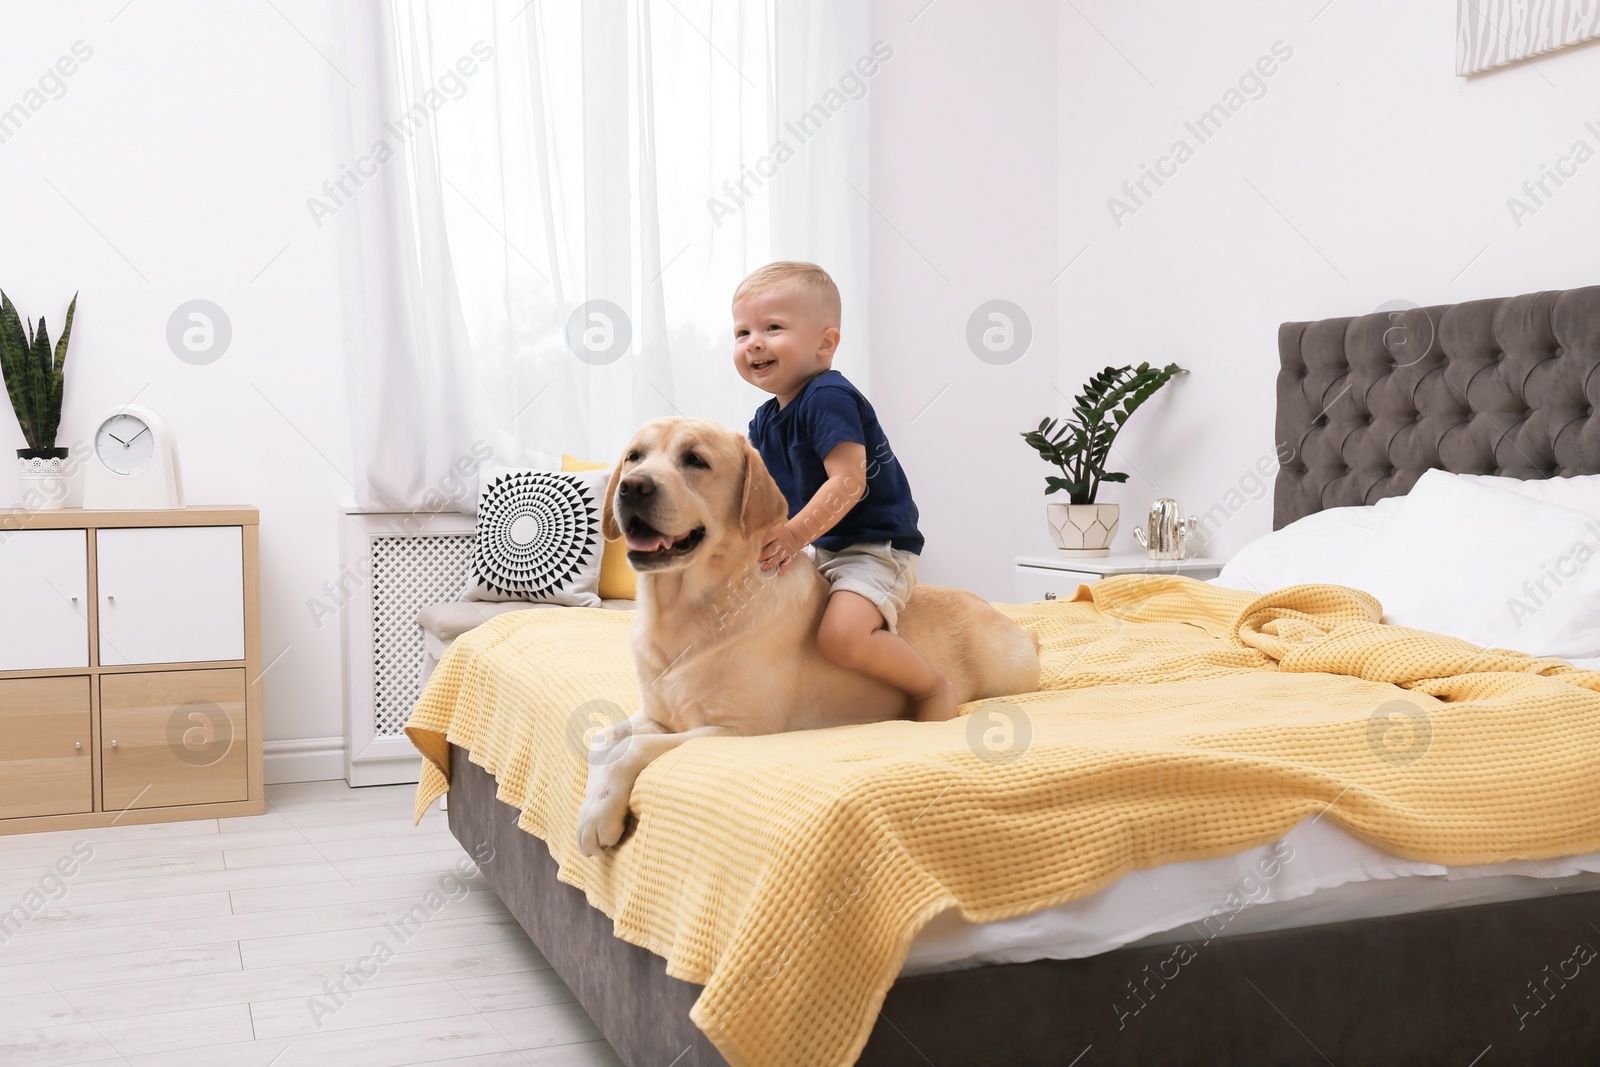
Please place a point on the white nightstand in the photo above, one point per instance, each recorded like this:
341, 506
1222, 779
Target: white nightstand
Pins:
1049, 575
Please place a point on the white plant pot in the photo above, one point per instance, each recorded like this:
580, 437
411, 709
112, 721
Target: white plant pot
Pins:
1083, 529
44, 481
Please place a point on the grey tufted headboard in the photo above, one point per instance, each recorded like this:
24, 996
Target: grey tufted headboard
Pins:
1366, 404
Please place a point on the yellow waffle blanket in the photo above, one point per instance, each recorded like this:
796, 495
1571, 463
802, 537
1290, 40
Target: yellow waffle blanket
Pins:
1175, 721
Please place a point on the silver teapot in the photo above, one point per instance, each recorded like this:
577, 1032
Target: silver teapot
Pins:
1164, 536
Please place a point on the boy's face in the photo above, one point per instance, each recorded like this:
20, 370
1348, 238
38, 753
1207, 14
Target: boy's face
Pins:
782, 338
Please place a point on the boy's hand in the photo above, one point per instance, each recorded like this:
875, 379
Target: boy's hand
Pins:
781, 546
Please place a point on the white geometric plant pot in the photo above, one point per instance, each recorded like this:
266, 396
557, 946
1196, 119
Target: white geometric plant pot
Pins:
1083, 529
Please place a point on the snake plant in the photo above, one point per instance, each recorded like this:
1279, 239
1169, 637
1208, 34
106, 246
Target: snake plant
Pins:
1081, 445
33, 372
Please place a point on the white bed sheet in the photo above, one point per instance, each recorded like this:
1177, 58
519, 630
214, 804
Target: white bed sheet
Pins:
1317, 873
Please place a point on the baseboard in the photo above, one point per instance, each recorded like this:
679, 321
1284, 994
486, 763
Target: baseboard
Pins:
308, 759
384, 770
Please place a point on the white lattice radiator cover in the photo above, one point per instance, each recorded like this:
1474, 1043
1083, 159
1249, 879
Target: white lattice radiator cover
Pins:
410, 562
408, 574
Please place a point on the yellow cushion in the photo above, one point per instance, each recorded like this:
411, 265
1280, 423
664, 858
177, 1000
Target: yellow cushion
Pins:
617, 579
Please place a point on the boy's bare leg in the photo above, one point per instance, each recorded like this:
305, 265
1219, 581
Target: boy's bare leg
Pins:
853, 636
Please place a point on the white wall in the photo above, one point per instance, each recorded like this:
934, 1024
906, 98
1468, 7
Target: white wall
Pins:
1367, 172
175, 166
963, 184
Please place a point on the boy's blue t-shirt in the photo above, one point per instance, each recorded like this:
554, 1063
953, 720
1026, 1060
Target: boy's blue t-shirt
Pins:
793, 441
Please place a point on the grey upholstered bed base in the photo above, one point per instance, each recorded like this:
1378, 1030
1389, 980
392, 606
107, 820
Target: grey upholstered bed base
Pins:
1431, 988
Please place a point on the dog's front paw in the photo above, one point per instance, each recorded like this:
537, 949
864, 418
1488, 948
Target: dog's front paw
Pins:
604, 744
601, 820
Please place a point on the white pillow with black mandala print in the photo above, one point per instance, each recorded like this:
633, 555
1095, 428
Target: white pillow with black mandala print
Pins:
539, 537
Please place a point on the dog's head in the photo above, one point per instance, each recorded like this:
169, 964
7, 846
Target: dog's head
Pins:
687, 488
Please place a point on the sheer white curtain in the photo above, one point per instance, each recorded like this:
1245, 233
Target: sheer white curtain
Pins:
514, 163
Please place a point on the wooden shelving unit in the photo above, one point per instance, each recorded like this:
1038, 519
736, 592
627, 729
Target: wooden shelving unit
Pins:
130, 667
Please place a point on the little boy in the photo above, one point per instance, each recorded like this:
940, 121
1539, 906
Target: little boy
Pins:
816, 436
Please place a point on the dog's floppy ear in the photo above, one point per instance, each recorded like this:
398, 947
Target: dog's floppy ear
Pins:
762, 504
608, 519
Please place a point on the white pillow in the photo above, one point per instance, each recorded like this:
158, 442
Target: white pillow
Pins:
1316, 548
1581, 492
538, 537
531, 460
1489, 566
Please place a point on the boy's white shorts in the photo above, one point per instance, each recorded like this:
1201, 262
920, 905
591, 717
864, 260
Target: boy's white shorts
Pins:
883, 574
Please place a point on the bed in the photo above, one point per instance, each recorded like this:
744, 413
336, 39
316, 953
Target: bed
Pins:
1497, 387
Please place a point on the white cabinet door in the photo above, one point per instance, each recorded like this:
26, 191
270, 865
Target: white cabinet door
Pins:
170, 594
44, 599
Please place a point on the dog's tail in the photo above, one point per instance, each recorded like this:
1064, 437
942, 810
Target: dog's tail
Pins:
1016, 667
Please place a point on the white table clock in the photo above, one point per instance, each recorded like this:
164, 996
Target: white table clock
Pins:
135, 463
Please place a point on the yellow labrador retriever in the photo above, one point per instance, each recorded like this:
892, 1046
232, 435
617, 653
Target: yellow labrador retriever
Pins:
723, 647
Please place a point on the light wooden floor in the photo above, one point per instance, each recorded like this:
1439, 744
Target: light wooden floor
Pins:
205, 943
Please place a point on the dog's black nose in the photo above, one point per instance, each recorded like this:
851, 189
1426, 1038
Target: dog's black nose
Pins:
635, 486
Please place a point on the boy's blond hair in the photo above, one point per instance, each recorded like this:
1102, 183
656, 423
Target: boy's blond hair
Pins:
806, 277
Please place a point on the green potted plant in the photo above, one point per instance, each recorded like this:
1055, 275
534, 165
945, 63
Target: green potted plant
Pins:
1080, 447
34, 380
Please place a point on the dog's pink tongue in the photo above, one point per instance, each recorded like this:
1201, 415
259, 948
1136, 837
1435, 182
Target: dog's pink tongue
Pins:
650, 542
